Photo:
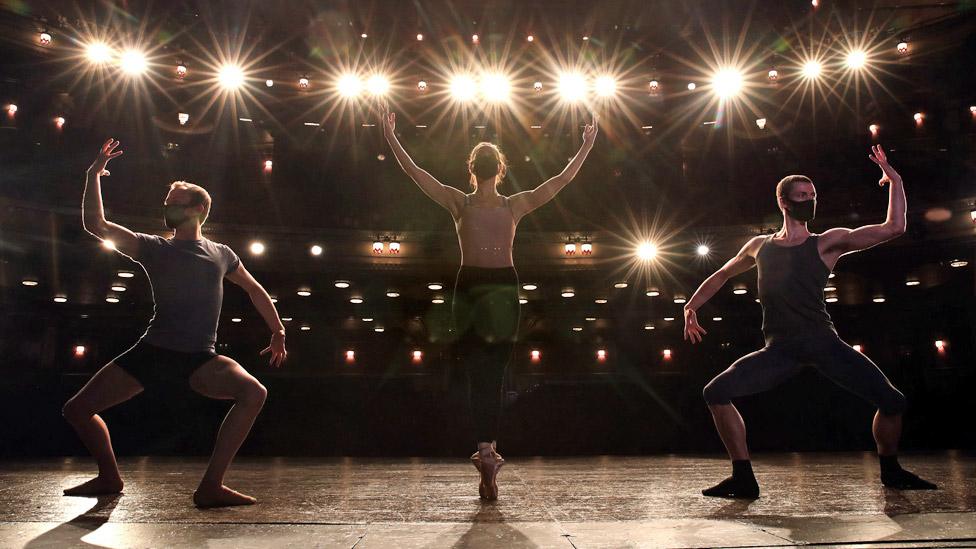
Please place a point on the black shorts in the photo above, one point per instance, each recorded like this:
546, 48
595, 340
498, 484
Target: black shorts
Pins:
156, 368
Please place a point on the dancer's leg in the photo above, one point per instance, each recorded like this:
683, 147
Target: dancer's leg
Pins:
223, 378
109, 386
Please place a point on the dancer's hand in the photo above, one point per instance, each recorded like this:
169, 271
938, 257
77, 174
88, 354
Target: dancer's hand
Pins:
277, 349
590, 131
389, 123
106, 153
693, 330
881, 159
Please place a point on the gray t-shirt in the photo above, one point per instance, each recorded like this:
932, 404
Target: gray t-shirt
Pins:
187, 279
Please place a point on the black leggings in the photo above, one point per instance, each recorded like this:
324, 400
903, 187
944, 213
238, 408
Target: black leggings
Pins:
485, 312
783, 358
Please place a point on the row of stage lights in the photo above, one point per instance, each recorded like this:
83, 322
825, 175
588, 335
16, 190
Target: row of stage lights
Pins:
438, 288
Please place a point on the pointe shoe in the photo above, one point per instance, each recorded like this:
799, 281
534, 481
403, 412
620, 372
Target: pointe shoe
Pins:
476, 457
488, 487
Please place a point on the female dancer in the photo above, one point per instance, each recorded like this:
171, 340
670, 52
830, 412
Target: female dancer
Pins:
485, 307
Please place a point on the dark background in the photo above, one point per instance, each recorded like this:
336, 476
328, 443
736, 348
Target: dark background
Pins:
680, 183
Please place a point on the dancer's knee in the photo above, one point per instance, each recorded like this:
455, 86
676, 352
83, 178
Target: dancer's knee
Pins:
714, 394
74, 411
254, 394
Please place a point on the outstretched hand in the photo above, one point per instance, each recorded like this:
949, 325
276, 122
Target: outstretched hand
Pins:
693, 330
590, 130
389, 122
879, 157
106, 153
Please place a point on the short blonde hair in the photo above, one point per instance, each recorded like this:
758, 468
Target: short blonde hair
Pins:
198, 196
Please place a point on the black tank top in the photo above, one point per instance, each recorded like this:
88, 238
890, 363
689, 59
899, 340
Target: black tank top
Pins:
791, 283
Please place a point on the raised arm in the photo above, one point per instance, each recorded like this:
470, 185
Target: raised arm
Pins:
525, 202
840, 241
448, 197
262, 302
93, 214
742, 262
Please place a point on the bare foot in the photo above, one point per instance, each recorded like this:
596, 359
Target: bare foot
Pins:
220, 496
97, 486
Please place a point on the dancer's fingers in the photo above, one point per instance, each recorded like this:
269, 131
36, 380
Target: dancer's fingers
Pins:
266, 350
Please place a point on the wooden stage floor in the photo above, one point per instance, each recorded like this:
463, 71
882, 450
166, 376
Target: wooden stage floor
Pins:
651, 501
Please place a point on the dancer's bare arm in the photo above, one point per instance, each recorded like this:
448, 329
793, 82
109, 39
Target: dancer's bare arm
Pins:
742, 262
840, 241
448, 197
93, 214
525, 202
262, 302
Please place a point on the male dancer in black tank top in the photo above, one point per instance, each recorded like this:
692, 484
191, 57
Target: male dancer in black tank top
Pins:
793, 267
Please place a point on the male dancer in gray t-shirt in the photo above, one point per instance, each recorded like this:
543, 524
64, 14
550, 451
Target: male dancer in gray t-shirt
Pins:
177, 352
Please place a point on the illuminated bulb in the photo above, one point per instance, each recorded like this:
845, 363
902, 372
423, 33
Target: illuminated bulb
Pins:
857, 59
495, 87
570, 249
268, 165
680, 300
646, 251
739, 291
716, 318
620, 285
257, 248
572, 86
236, 319
392, 293
79, 350
435, 286
972, 214
772, 75
692, 86
367, 319
586, 248
912, 283
98, 52
830, 288
600, 301
475, 39
463, 87
349, 85
727, 83
44, 39
133, 62
667, 354
601, 354
394, 247
535, 355
972, 109
529, 287
957, 263
422, 86
183, 118
530, 38
111, 299
654, 86
811, 69
815, 3
568, 292
59, 122
857, 347
230, 77
118, 288
873, 128
377, 85
341, 284
919, 117
11, 109
269, 83
420, 37
648, 326
590, 319
315, 250
437, 300
761, 123
60, 299
940, 345
606, 86
831, 299
364, 35
350, 356
126, 274
523, 301
180, 70
418, 355
378, 247
304, 293
652, 293
29, 282
356, 300
537, 86
902, 47
303, 82
379, 329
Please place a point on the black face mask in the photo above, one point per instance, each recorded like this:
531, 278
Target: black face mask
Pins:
802, 210
174, 215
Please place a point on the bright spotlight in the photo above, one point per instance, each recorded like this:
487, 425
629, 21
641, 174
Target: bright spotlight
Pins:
606, 86
257, 248
230, 77
98, 52
857, 59
463, 88
761, 123
727, 83
495, 87
646, 251
349, 85
572, 86
703, 250
377, 85
692, 86
811, 69
133, 62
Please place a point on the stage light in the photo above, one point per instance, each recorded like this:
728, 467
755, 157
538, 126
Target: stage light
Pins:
586, 38
364, 35
79, 350
420, 37
475, 39
831, 299
180, 70
739, 291
679, 300
919, 118
692, 86
377, 85
972, 109
59, 122
268, 166
857, 347
572, 86
126, 274
815, 3
257, 248
378, 247
60, 299
601, 355
523, 301
600, 301
570, 249
437, 301
830, 288
568, 292
940, 345
31, 282
367, 319
590, 319
727, 83
133, 62
666, 354
435, 286
304, 292
98, 52
606, 86
811, 69
761, 123
379, 329
537, 86
236, 319
652, 293
183, 118
530, 38
772, 75
648, 327
305, 327
230, 77
118, 287
394, 247
108, 244
856, 59
646, 251
529, 287
972, 214
418, 356
495, 87
303, 82
902, 47
873, 128
702, 250
912, 282
422, 86
356, 300
620, 285
535, 355
958, 263
341, 284
274, 299
269, 83
654, 87
392, 294
44, 38
350, 356
463, 87
586, 248
831, 275
11, 109
349, 85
